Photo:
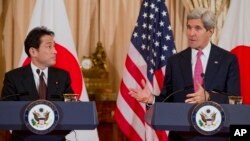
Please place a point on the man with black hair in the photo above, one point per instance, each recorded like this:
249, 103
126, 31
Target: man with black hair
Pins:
38, 80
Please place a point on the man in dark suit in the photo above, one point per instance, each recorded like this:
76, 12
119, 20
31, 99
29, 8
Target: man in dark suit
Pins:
21, 81
202, 65
221, 74
39, 46
38, 80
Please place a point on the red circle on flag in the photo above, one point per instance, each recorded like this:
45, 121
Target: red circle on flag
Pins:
242, 52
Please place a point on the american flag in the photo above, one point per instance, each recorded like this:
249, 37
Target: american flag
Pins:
151, 45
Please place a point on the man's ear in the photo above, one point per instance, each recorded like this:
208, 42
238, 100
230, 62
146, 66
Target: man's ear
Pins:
32, 51
211, 31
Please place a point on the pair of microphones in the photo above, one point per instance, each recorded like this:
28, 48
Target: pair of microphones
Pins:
26, 93
17, 96
188, 87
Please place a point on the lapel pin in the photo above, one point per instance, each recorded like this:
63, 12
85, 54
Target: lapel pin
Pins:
216, 62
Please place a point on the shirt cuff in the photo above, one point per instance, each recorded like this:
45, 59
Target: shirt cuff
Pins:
153, 102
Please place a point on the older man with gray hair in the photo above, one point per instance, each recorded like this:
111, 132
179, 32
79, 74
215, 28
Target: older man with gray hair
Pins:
196, 70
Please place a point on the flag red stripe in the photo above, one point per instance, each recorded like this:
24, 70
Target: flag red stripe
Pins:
138, 76
132, 102
138, 62
162, 136
134, 71
160, 78
127, 129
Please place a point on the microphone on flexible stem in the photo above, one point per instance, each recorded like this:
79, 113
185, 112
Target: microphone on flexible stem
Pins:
57, 83
14, 95
38, 72
217, 91
178, 91
204, 84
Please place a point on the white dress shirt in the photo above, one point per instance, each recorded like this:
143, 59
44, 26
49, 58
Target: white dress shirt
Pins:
36, 76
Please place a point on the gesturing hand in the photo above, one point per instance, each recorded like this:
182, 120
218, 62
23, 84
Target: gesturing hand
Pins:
197, 97
142, 94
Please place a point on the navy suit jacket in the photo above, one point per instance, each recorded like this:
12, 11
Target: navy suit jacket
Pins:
21, 81
222, 73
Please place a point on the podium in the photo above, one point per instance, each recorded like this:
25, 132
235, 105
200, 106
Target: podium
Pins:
73, 115
176, 117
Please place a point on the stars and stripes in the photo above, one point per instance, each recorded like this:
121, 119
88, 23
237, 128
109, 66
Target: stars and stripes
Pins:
151, 45
152, 35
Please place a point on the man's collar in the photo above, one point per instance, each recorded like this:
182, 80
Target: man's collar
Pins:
34, 68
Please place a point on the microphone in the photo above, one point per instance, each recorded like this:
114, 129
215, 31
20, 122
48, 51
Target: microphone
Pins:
14, 95
217, 91
178, 91
204, 84
222, 96
57, 88
38, 71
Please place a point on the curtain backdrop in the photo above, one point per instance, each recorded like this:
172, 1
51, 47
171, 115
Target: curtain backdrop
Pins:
117, 20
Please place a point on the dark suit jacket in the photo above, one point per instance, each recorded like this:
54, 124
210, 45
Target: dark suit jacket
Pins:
21, 81
222, 73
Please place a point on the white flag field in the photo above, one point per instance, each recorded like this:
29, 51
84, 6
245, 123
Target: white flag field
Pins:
52, 14
235, 37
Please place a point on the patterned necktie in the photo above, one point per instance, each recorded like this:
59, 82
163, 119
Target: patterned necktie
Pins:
42, 89
198, 70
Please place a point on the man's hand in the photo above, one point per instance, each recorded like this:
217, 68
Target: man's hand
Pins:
197, 97
142, 95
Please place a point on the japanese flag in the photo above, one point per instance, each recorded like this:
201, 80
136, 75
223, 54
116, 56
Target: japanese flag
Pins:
235, 37
52, 14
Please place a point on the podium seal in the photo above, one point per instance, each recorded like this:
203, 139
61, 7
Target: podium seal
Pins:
41, 117
208, 118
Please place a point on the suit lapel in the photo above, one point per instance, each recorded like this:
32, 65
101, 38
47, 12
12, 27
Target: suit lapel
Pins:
52, 82
212, 66
29, 83
186, 67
